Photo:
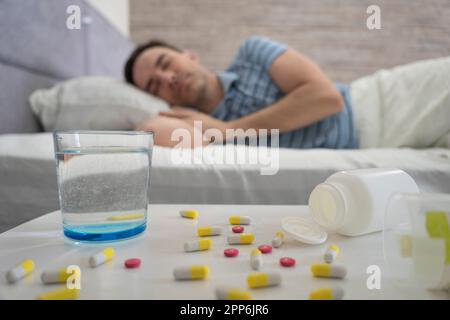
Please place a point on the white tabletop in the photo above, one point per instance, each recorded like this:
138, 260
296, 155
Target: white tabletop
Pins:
161, 250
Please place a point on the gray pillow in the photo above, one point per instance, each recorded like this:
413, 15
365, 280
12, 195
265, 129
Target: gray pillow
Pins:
94, 103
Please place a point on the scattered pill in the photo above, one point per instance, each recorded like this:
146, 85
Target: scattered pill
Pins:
209, 231
198, 245
265, 248
132, 263
60, 294
190, 214
127, 217
20, 271
196, 272
227, 293
102, 257
240, 220
331, 253
262, 279
231, 252
278, 240
58, 276
326, 270
256, 260
237, 229
243, 238
287, 262
336, 293
406, 246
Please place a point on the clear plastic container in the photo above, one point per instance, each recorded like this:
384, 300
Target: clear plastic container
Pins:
353, 202
416, 240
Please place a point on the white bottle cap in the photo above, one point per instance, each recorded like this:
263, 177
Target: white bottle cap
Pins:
304, 230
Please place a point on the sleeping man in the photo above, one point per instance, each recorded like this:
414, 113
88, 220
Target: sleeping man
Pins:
269, 85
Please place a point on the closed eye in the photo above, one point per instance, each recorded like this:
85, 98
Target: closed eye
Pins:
166, 64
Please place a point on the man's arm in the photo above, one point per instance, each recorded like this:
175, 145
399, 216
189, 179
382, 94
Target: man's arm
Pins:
310, 96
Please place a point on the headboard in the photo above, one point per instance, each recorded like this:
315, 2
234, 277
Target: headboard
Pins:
38, 50
331, 32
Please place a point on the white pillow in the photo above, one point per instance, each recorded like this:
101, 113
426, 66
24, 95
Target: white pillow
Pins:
94, 103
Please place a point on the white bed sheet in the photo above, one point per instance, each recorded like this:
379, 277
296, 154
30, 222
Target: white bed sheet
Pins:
28, 177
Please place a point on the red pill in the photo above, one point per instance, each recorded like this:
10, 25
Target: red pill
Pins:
231, 252
265, 248
133, 263
287, 262
237, 229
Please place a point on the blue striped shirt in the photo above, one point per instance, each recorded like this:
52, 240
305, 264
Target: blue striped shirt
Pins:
248, 87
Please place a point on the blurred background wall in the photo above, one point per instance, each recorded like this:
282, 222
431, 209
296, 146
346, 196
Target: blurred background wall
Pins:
332, 32
116, 11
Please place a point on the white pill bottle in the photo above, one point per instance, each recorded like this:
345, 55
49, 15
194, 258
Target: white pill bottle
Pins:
353, 202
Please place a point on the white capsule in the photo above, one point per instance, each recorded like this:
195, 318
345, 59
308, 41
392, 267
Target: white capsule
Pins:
102, 257
327, 293
262, 279
331, 253
58, 276
208, 231
20, 271
198, 245
241, 238
195, 272
325, 270
230, 293
239, 220
278, 240
256, 261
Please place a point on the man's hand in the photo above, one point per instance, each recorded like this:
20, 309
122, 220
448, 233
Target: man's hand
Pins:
190, 115
164, 128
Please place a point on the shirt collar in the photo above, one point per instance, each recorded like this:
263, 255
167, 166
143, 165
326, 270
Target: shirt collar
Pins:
227, 78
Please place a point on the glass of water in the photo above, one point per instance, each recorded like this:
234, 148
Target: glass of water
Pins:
103, 181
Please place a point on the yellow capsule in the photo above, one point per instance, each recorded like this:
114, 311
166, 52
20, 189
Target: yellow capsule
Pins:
262, 279
331, 253
326, 270
327, 294
209, 231
256, 261
102, 257
190, 214
278, 240
196, 272
127, 217
406, 246
20, 271
227, 293
60, 294
198, 245
240, 220
58, 276
243, 238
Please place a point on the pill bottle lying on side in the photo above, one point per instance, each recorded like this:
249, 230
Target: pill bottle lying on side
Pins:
353, 202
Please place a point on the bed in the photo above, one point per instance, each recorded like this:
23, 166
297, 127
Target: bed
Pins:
28, 179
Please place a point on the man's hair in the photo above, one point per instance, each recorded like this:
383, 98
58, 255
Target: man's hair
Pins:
128, 70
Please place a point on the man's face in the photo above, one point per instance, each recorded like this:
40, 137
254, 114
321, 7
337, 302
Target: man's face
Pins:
175, 77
